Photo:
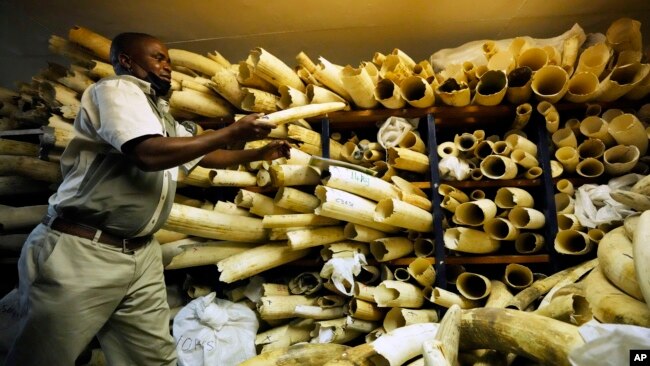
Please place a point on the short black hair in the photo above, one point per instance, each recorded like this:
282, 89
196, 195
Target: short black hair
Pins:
124, 43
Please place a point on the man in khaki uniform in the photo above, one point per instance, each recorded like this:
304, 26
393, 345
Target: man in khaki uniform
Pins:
92, 267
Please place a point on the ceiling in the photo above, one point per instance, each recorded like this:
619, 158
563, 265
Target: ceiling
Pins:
343, 31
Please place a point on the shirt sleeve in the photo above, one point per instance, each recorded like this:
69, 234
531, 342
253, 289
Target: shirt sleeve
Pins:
124, 113
181, 131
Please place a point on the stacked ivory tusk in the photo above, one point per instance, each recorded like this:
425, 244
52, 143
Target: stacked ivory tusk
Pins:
475, 156
508, 219
360, 223
611, 143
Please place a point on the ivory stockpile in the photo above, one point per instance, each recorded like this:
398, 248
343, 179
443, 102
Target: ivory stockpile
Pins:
337, 258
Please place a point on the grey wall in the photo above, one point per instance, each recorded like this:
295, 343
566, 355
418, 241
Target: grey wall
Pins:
23, 49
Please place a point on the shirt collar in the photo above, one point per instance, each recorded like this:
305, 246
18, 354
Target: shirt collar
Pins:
145, 86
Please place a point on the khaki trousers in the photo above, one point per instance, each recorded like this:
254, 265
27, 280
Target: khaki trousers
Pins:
72, 289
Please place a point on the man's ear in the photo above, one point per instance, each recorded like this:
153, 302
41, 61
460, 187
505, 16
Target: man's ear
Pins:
125, 61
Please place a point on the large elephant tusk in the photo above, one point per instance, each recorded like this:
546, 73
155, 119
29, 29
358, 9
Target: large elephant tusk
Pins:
539, 338
406, 159
308, 354
540, 287
526, 218
306, 111
620, 159
311, 237
498, 167
642, 186
524, 159
412, 141
476, 213
96, 43
410, 338
247, 77
25, 217
401, 294
611, 305
345, 206
570, 308
492, 87
399, 317
260, 101
319, 95
568, 157
528, 243
30, 167
583, 87
191, 253
273, 70
226, 84
359, 84
214, 225
499, 297
597, 128
259, 204
18, 148
564, 137
334, 331
519, 142
194, 62
637, 201
359, 183
518, 276
364, 310
200, 103
594, 59
389, 248
417, 92
329, 75
355, 356
590, 168
165, 236
318, 312
256, 260
468, 240
362, 233
365, 292
624, 34
642, 255
621, 80
291, 97
533, 57
297, 220
616, 259
422, 271
523, 111
446, 298
550, 83
231, 178
347, 249
443, 349
394, 212
282, 307
296, 200
229, 208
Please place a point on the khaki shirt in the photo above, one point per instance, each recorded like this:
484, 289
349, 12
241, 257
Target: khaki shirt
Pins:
101, 187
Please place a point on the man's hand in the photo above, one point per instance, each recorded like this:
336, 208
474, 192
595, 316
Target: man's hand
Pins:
274, 150
250, 128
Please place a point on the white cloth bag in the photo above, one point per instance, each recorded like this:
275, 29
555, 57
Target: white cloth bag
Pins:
215, 332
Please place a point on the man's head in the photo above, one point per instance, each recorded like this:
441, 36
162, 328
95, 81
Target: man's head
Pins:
143, 56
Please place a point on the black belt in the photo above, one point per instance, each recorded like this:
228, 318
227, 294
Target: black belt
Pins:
87, 232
